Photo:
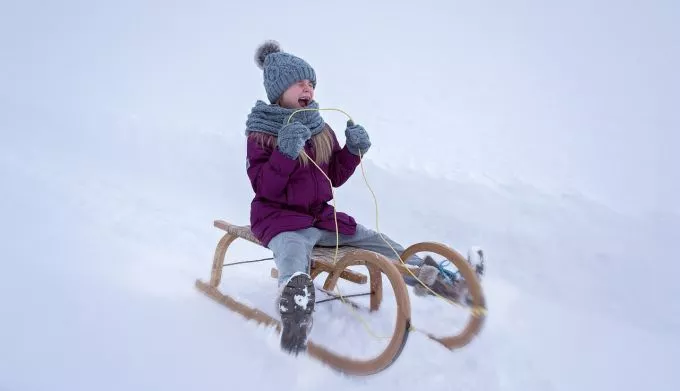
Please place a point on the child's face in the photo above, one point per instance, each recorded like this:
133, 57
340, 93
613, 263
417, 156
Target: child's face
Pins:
297, 95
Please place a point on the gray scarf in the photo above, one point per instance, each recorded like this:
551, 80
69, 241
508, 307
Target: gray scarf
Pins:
269, 119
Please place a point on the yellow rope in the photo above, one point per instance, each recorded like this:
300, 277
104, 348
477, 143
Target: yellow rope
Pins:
476, 311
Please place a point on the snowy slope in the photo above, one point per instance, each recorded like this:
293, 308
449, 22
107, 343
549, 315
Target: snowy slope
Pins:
101, 258
121, 146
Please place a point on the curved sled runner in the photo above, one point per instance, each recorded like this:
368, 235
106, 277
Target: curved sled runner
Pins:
377, 265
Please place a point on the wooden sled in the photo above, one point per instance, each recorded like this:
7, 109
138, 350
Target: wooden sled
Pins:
377, 265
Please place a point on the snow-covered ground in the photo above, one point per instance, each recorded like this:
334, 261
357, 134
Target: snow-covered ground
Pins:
122, 141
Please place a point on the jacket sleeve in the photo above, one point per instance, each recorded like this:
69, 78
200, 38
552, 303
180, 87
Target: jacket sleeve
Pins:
268, 170
342, 164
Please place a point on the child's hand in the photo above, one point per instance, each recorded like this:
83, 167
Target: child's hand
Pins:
292, 138
357, 138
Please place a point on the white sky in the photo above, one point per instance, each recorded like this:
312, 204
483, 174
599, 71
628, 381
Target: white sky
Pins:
579, 96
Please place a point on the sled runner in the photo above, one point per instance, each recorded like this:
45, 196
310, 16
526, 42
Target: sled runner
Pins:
377, 266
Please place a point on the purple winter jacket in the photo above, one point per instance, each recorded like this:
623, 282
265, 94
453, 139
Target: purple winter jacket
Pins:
290, 196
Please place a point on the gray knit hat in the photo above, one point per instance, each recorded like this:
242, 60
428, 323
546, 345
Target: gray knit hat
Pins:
281, 69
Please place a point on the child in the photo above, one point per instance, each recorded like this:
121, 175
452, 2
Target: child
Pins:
290, 213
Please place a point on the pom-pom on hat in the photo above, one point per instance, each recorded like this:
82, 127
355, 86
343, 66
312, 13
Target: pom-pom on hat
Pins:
281, 69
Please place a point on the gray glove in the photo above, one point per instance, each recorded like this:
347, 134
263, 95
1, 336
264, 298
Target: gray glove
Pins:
292, 138
357, 138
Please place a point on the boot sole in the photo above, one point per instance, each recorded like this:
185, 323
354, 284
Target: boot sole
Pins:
296, 306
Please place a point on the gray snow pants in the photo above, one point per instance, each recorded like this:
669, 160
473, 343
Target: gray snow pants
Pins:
292, 250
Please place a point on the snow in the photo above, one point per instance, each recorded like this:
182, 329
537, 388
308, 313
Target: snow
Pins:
545, 136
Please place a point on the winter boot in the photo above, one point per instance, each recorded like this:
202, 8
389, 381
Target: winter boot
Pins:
427, 275
433, 280
447, 283
296, 305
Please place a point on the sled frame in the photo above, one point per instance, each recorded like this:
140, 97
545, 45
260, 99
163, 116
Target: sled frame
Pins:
323, 260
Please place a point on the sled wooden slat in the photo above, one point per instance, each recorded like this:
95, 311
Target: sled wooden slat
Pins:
241, 231
321, 254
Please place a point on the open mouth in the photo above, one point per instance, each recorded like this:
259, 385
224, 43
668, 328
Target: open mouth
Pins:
303, 102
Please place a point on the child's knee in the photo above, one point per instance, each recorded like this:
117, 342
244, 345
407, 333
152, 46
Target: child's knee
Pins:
292, 250
295, 242
293, 255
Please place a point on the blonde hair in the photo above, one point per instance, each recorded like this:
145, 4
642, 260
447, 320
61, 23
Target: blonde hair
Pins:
321, 142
